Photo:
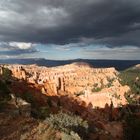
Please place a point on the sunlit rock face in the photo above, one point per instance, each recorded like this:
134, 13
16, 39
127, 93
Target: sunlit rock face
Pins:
136, 66
95, 86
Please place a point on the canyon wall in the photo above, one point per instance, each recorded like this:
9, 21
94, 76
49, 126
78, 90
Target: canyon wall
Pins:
98, 86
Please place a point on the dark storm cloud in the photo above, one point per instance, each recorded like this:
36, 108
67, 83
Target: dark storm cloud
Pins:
16, 52
112, 22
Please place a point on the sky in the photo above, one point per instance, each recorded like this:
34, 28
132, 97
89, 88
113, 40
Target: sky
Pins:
70, 29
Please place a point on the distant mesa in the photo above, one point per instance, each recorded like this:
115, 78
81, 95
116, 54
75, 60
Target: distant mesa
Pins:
137, 66
82, 64
118, 64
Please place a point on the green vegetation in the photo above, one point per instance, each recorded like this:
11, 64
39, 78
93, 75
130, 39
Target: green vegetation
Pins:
128, 77
7, 74
37, 111
41, 132
79, 93
4, 94
115, 95
96, 88
131, 122
110, 82
131, 77
72, 136
46, 132
130, 98
68, 123
40, 112
49, 134
4, 90
29, 98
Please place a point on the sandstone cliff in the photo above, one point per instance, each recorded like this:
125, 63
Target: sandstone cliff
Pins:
98, 86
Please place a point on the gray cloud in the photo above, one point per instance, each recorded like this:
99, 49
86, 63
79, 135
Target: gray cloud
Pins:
16, 52
127, 52
16, 49
112, 22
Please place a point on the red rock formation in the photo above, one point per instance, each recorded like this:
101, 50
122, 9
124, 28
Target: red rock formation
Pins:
97, 86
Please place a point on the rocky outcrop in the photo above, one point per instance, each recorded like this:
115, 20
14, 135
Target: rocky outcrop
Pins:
97, 86
19, 107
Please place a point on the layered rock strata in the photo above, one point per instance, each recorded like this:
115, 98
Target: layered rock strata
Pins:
98, 86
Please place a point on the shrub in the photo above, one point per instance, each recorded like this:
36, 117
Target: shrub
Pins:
49, 134
79, 93
128, 77
4, 90
6, 75
4, 93
96, 89
129, 99
29, 98
115, 95
72, 136
40, 112
110, 82
41, 132
67, 123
